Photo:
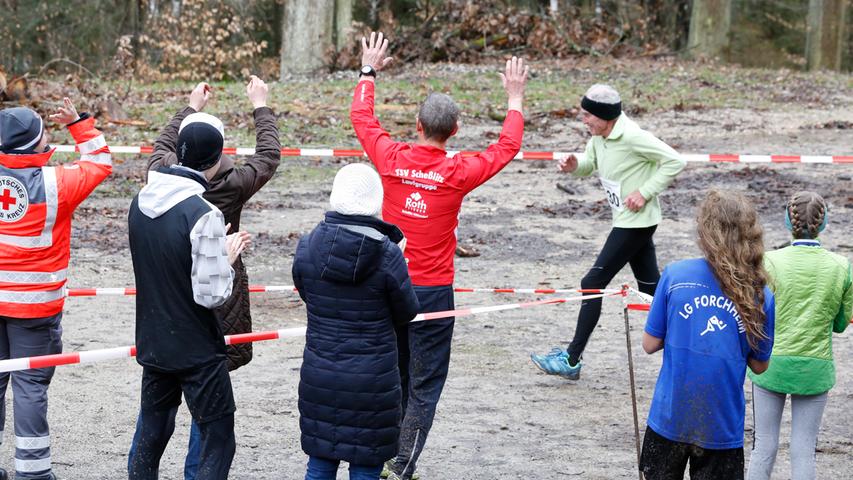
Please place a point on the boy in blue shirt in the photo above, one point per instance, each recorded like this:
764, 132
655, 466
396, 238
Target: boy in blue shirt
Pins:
713, 317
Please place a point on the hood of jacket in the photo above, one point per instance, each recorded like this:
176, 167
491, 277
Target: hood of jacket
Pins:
226, 164
349, 248
167, 187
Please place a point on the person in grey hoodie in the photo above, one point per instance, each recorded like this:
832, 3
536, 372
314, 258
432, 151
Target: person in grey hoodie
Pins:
182, 263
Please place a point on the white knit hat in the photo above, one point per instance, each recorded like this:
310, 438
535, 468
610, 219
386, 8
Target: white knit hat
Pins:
357, 190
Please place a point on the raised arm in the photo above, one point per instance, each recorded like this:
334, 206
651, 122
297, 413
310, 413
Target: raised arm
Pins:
255, 172
484, 166
167, 143
95, 164
373, 138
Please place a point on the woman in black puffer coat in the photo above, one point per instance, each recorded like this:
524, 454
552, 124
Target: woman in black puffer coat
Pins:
351, 273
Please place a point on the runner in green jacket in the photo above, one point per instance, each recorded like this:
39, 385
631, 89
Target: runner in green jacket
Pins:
634, 168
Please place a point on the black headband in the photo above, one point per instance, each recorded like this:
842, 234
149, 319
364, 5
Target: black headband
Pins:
604, 111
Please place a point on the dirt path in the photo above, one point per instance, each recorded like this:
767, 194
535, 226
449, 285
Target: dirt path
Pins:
499, 417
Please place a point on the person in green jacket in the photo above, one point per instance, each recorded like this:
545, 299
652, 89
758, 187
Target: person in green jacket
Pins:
813, 299
634, 168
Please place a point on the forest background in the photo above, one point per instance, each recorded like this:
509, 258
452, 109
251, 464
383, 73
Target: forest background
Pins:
148, 40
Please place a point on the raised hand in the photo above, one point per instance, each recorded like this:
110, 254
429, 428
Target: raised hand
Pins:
235, 244
66, 114
514, 79
568, 164
257, 92
373, 51
200, 95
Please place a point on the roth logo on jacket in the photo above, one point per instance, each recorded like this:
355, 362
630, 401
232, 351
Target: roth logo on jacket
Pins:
415, 205
13, 199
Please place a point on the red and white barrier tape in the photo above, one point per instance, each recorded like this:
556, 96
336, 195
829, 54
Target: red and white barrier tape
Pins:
345, 152
92, 356
92, 292
99, 292
464, 312
647, 299
537, 291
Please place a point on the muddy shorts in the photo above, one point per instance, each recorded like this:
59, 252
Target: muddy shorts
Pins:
664, 459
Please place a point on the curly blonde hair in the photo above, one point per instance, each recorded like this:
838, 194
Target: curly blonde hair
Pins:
732, 242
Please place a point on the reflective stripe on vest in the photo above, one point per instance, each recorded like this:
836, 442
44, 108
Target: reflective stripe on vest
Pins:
99, 158
32, 466
31, 298
92, 145
34, 278
51, 193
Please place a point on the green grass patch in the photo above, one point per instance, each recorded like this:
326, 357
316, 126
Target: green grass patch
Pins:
315, 111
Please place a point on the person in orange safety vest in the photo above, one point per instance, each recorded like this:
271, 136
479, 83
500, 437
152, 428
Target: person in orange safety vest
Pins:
36, 205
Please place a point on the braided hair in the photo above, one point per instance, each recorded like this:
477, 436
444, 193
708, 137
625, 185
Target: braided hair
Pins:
806, 213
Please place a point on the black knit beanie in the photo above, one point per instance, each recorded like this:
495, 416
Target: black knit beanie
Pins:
199, 146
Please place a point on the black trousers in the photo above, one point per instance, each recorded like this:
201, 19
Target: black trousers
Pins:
633, 246
211, 403
424, 360
664, 459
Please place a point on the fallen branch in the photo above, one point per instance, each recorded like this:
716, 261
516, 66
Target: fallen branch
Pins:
132, 123
70, 62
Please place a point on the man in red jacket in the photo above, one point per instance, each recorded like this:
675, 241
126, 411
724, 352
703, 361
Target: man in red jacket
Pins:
36, 206
424, 189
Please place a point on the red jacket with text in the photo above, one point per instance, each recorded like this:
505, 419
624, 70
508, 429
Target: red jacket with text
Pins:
36, 205
424, 187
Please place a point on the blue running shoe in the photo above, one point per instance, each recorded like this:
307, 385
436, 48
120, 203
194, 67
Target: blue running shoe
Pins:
556, 362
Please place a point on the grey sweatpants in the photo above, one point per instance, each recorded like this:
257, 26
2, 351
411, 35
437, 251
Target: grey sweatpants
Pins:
27, 338
806, 414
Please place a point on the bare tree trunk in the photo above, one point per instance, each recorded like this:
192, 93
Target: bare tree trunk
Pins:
306, 35
710, 22
176, 8
825, 35
373, 13
343, 22
136, 10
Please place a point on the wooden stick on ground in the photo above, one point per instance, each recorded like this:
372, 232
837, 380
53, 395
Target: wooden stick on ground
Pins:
633, 390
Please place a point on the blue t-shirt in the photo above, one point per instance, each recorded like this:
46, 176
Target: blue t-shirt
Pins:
699, 394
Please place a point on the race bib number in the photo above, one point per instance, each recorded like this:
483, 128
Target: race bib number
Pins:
613, 192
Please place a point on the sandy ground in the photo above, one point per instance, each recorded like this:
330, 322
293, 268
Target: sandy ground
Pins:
499, 417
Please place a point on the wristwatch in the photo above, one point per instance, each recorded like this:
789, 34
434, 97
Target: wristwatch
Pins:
367, 70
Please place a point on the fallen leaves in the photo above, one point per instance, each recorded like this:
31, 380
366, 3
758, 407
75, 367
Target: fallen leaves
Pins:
14, 90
